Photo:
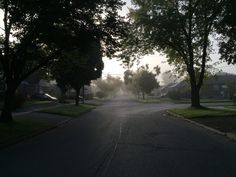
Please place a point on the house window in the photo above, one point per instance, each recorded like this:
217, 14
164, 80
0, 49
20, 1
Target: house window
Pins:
216, 87
224, 86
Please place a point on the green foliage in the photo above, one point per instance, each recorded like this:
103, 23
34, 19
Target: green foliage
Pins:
180, 29
42, 30
145, 80
109, 86
227, 28
142, 80
101, 94
128, 77
78, 67
174, 95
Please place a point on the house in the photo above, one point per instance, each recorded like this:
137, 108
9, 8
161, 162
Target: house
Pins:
88, 94
220, 86
34, 84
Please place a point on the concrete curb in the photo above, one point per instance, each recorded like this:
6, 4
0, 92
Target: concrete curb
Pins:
229, 135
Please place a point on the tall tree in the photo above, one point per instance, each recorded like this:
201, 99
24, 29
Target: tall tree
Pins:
181, 29
227, 29
109, 86
128, 74
78, 67
36, 32
144, 80
89, 67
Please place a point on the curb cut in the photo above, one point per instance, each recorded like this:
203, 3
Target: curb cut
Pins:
231, 136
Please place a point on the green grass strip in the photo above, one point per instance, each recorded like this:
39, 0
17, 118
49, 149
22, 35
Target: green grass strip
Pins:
230, 107
70, 110
149, 101
204, 112
34, 103
12, 132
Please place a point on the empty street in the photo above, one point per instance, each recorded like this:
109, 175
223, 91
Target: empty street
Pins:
122, 138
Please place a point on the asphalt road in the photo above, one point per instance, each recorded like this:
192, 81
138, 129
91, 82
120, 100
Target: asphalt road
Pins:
122, 138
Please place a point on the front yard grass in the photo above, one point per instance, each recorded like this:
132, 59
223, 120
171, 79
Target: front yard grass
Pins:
204, 112
149, 101
230, 107
220, 119
35, 103
18, 129
217, 101
70, 110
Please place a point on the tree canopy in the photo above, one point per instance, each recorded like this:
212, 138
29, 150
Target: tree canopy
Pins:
180, 29
227, 29
79, 67
142, 81
37, 32
108, 87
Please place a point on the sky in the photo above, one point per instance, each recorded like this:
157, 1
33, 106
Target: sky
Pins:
115, 68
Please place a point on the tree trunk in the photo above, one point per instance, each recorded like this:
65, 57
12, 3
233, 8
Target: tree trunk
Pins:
6, 115
63, 95
195, 89
83, 93
195, 97
77, 97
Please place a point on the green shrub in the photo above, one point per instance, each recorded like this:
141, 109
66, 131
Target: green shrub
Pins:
101, 94
175, 95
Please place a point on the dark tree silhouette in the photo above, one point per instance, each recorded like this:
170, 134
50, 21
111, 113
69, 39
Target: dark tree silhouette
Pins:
181, 29
78, 67
37, 32
227, 28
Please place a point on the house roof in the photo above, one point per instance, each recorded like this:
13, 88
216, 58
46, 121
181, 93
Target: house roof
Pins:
221, 79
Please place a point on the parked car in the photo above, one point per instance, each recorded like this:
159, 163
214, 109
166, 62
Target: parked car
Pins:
81, 98
44, 97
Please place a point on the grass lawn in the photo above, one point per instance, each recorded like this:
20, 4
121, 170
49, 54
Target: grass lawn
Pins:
223, 120
149, 101
181, 101
33, 103
16, 130
70, 110
231, 107
204, 112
